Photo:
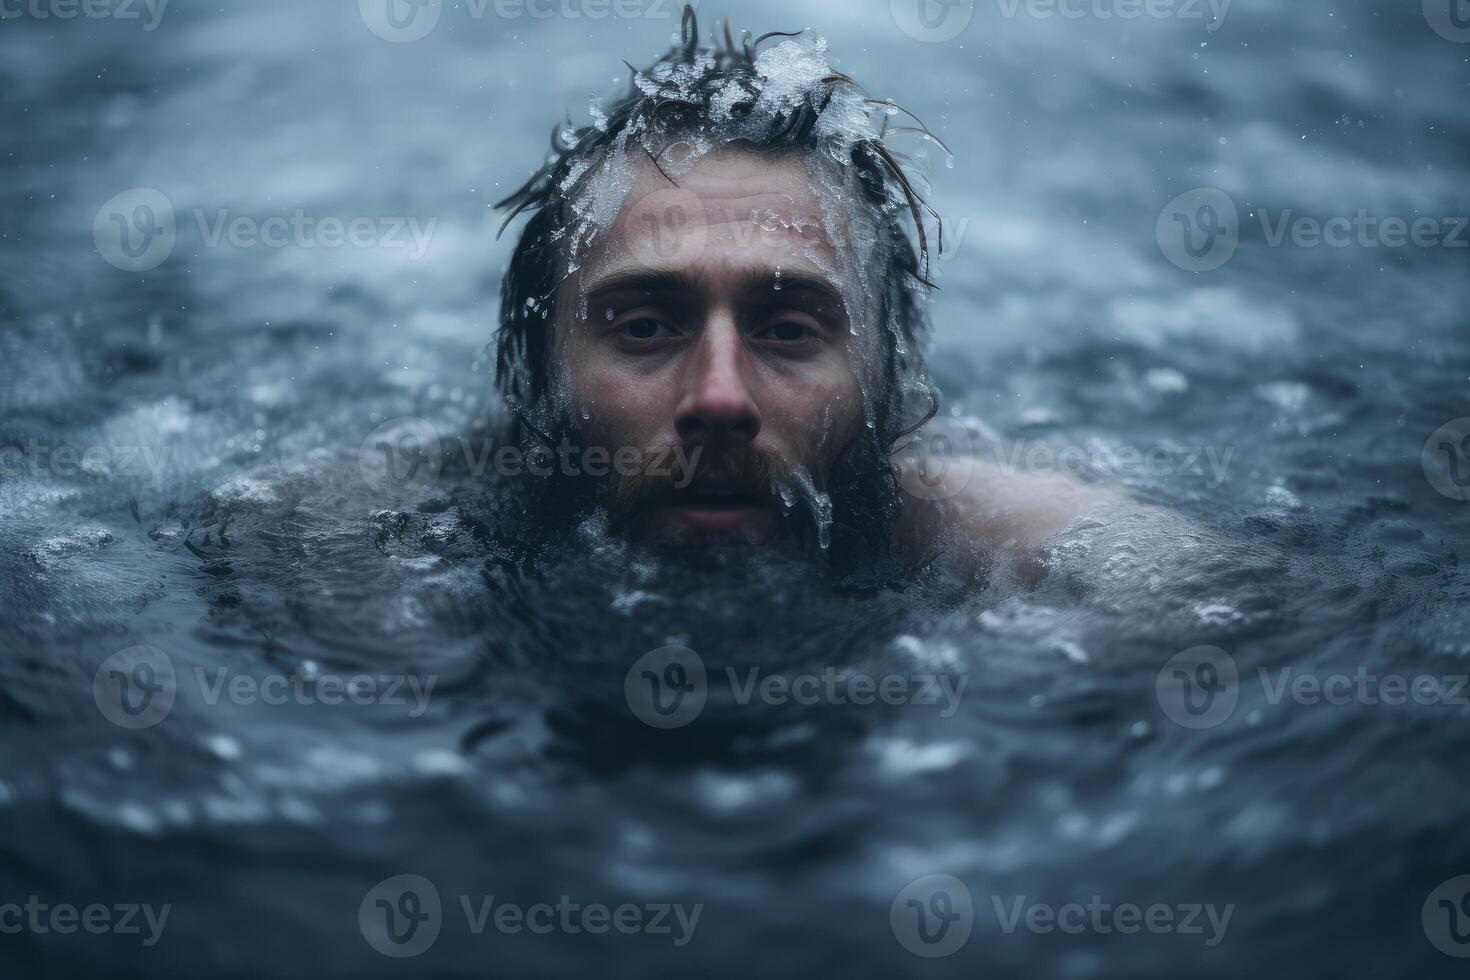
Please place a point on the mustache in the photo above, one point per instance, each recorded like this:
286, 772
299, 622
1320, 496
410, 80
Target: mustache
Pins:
752, 469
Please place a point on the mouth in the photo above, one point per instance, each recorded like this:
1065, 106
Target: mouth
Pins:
712, 507
719, 496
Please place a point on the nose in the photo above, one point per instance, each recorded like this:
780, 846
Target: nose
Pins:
717, 407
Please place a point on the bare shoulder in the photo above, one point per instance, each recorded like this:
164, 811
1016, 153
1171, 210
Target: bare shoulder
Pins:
977, 511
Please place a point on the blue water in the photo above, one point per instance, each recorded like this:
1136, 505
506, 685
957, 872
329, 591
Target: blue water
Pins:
1286, 398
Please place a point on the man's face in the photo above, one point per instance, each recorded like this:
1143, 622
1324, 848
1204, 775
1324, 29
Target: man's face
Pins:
710, 317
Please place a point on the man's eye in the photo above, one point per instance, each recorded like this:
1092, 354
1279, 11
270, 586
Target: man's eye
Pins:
787, 331
645, 328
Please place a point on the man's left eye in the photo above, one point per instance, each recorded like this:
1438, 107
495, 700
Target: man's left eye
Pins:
787, 331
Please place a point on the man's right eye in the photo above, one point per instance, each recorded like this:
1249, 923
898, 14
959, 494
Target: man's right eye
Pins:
647, 328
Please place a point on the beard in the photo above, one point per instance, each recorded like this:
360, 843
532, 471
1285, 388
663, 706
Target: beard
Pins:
840, 517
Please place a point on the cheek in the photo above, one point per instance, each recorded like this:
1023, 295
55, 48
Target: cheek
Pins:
616, 410
816, 417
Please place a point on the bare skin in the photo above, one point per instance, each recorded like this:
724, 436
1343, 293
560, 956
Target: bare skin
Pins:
706, 328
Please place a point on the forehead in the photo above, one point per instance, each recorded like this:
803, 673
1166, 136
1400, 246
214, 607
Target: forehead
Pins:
731, 213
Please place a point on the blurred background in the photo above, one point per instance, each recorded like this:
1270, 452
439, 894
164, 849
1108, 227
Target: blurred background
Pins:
237, 239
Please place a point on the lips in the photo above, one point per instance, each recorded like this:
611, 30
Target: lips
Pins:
720, 508
715, 497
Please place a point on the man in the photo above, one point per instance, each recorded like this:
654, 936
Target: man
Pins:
731, 263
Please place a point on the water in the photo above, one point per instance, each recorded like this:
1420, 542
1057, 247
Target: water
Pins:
224, 518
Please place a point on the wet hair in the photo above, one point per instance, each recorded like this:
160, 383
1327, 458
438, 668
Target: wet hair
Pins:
717, 93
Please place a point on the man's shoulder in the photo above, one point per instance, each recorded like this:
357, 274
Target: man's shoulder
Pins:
970, 510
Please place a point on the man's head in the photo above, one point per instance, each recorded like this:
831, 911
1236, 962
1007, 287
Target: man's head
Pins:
721, 264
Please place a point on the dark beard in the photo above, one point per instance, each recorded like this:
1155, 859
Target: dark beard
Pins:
535, 514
